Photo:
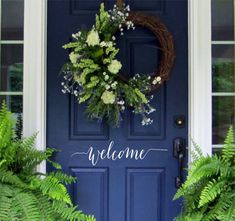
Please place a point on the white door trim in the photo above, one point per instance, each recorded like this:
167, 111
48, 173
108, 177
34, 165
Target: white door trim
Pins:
35, 54
35, 31
200, 95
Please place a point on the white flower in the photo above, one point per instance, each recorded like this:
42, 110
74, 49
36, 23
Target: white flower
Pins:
103, 44
114, 66
76, 93
93, 38
146, 121
106, 77
73, 57
157, 80
109, 44
108, 97
113, 86
121, 102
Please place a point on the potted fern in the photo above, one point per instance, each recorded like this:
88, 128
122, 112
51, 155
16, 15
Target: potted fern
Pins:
25, 194
209, 191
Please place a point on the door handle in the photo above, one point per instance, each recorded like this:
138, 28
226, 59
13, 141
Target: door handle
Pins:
179, 149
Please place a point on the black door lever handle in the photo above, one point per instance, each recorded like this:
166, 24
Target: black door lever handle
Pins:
179, 152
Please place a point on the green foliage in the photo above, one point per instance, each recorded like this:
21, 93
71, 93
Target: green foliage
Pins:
103, 23
222, 75
209, 191
25, 194
92, 73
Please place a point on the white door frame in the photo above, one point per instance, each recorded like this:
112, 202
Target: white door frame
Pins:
35, 59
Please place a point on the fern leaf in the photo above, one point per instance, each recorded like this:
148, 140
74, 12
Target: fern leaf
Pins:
68, 212
10, 178
5, 201
211, 191
25, 203
45, 208
63, 178
90, 218
29, 142
228, 151
6, 126
54, 189
204, 167
196, 151
229, 213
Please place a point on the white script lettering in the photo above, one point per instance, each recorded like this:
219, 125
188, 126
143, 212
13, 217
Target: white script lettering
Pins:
94, 156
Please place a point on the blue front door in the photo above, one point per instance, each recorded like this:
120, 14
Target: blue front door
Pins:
123, 189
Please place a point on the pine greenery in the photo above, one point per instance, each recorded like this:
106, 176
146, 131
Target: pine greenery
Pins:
209, 191
25, 194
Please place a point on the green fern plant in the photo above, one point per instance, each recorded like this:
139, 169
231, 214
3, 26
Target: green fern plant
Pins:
25, 194
209, 191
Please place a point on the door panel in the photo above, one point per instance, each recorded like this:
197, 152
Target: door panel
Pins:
152, 181
125, 189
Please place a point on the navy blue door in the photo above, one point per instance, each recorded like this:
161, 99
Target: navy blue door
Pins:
122, 189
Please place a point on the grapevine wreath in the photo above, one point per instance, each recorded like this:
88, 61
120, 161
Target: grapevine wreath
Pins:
93, 76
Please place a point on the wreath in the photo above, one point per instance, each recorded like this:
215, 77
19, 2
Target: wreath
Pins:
93, 76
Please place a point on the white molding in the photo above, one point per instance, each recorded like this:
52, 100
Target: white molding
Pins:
200, 95
8, 42
34, 98
223, 94
223, 42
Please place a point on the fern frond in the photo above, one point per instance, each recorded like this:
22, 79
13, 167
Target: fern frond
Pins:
90, 218
190, 217
68, 212
228, 151
29, 142
55, 165
229, 213
211, 191
8, 177
5, 201
63, 178
204, 167
44, 205
196, 151
52, 187
25, 204
6, 126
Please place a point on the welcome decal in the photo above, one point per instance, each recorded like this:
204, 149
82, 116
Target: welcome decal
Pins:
94, 156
